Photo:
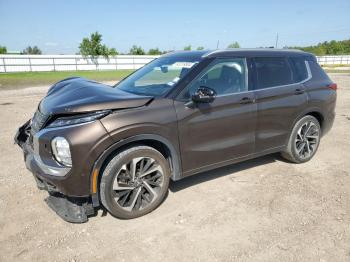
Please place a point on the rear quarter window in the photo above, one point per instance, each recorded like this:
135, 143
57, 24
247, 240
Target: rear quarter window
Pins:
317, 72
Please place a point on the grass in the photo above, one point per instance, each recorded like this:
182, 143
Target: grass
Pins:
335, 65
27, 79
337, 71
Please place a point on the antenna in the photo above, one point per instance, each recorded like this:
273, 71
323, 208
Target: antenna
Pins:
217, 44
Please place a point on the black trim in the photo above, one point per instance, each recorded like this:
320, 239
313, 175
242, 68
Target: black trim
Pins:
73, 210
251, 74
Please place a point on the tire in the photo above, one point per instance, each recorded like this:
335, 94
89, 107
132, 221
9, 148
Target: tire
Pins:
304, 140
127, 198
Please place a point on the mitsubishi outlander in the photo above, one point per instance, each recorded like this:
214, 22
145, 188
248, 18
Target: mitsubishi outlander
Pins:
90, 144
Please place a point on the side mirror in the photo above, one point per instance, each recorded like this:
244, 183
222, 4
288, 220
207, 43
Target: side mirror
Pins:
204, 95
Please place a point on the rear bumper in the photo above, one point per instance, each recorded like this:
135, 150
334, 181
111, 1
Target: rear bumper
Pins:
328, 123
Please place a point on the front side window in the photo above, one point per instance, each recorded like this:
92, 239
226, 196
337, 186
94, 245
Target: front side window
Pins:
273, 71
225, 76
159, 76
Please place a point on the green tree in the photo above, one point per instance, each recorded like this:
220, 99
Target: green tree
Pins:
327, 48
93, 47
335, 47
200, 48
188, 48
3, 49
234, 45
113, 51
136, 50
31, 51
154, 51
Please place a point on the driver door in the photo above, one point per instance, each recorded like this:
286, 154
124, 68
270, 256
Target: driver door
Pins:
217, 133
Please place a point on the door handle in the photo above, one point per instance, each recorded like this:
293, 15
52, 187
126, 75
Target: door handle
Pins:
247, 100
299, 91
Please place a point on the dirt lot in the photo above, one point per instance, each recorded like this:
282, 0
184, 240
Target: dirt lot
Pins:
259, 210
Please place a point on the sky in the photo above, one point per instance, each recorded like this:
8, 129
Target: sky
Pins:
57, 27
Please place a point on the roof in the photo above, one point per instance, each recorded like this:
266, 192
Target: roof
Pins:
194, 54
255, 52
239, 52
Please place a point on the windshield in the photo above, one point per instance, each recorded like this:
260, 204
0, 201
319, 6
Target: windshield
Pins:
159, 76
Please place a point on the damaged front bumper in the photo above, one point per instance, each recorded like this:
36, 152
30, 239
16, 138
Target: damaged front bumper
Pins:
71, 209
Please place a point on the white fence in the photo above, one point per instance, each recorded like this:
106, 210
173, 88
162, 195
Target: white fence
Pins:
334, 60
32, 63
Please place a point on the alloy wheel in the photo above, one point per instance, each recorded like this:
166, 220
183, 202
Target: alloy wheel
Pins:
138, 183
307, 140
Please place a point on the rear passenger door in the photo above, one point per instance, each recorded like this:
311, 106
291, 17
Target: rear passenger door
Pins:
280, 96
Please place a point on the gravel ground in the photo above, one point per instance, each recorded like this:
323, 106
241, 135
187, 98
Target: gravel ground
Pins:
260, 210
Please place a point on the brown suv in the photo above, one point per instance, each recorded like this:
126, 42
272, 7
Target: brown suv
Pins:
186, 112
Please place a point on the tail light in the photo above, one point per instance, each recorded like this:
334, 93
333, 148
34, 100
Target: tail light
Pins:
333, 86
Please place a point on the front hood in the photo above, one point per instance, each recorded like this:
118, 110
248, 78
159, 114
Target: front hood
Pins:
78, 95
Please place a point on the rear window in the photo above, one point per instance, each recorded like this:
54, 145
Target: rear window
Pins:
300, 70
273, 71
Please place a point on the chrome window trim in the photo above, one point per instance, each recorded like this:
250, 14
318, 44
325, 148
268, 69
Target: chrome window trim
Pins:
272, 87
308, 72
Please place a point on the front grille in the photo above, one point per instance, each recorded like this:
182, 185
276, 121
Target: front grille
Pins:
38, 122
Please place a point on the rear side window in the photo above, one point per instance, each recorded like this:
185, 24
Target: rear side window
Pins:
273, 71
300, 70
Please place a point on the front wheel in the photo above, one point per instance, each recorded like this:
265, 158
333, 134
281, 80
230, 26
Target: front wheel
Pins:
304, 140
134, 182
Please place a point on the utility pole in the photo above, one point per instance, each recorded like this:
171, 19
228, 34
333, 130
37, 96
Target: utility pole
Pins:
276, 41
217, 44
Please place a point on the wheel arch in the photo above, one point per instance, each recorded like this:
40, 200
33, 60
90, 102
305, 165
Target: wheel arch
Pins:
163, 145
318, 115
315, 112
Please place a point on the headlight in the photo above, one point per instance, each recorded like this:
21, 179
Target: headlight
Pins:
61, 151
78, 119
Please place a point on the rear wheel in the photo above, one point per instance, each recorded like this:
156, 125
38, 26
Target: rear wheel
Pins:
134, 182
304, 140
